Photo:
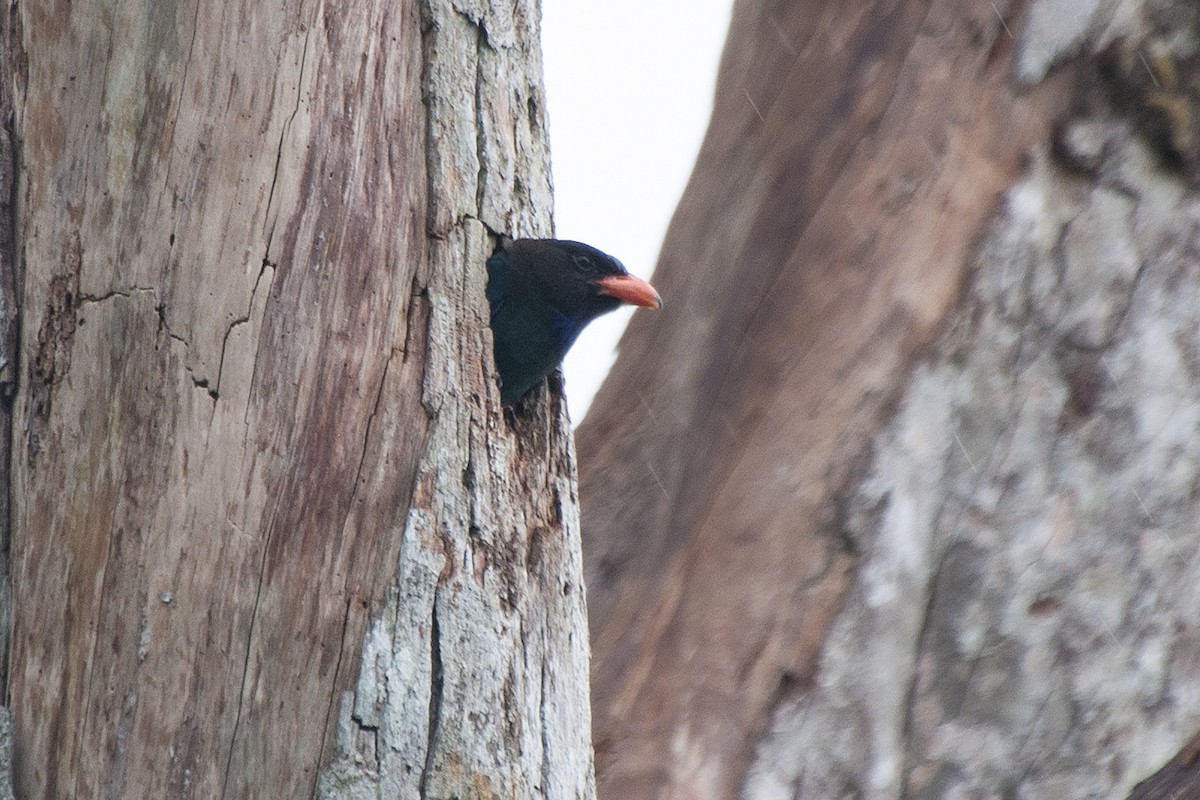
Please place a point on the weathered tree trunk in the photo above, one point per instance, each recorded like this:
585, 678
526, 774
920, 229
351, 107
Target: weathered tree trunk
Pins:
898, 500
271, 534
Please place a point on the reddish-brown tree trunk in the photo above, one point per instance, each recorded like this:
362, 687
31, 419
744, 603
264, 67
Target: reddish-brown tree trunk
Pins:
856, 503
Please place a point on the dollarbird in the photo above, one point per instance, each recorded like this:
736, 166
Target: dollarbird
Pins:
542, 293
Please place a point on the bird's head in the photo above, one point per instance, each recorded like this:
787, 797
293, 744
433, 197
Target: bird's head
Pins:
542, 293
579, 281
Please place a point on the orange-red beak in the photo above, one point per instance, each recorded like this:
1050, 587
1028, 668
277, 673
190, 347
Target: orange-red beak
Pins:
630, 289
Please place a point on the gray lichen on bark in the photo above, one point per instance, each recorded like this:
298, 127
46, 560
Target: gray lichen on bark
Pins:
474, 678
1024, 619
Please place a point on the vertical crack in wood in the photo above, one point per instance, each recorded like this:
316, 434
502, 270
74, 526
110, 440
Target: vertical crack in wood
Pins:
283, 134
12, 74
95, 659
215, 389
10, 332
481, 86
366, 445
249, 654
416, 317
435, 698
333, 700
545, 668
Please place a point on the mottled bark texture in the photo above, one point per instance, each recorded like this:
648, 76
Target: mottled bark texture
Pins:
898, 500
271, 534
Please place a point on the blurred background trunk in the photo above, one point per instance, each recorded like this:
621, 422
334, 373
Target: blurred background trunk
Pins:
270, 533
898, 499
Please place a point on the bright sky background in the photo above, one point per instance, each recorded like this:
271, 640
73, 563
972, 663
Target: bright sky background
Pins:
629, 85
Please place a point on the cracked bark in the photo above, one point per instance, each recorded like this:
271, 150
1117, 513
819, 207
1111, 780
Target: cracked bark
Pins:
271, 534
908, 509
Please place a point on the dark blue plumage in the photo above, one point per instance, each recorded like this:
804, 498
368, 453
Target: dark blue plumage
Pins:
542, 293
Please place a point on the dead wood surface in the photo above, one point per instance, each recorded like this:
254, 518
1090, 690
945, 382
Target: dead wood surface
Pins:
271, 534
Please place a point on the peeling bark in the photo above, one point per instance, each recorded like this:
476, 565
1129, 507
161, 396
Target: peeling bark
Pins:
272, 534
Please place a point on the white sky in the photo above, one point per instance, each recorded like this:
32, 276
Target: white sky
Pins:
629, 85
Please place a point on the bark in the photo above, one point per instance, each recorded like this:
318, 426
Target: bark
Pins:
1177, 780
906, 509
271, 534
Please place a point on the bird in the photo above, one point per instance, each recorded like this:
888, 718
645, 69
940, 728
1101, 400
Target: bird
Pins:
542, 293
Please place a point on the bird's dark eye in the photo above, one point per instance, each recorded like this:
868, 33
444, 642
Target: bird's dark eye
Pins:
585, 265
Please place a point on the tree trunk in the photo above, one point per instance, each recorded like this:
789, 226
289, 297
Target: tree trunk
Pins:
271, 534
907, 509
